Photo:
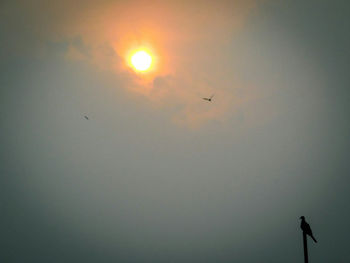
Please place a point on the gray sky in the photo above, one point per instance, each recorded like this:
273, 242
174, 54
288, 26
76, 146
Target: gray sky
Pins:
157, 174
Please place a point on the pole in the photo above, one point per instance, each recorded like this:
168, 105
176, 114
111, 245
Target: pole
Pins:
306, 257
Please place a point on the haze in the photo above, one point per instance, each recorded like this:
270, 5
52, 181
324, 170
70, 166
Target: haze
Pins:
157, 174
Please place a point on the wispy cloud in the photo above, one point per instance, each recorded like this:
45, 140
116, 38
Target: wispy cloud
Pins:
189, 41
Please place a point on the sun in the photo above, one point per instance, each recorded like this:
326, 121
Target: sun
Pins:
141, 60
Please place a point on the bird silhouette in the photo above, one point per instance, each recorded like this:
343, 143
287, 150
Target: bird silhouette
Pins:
208, 99
306, 228
86, 117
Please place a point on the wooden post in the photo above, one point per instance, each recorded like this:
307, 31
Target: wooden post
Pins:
306, 257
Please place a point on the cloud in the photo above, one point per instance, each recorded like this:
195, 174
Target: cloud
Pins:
190, 41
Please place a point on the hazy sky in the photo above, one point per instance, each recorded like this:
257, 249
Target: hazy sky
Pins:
157, 174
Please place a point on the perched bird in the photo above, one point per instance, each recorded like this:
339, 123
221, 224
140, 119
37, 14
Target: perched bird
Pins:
208, 99
86, 117
306, 228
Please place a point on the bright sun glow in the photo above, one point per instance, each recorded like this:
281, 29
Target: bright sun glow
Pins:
141, 60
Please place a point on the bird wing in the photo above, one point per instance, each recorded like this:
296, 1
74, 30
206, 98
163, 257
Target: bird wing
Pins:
205, 99
212, 96
308, 229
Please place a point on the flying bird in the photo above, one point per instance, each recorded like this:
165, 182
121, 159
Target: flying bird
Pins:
208, 99
306, 228
86, 117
